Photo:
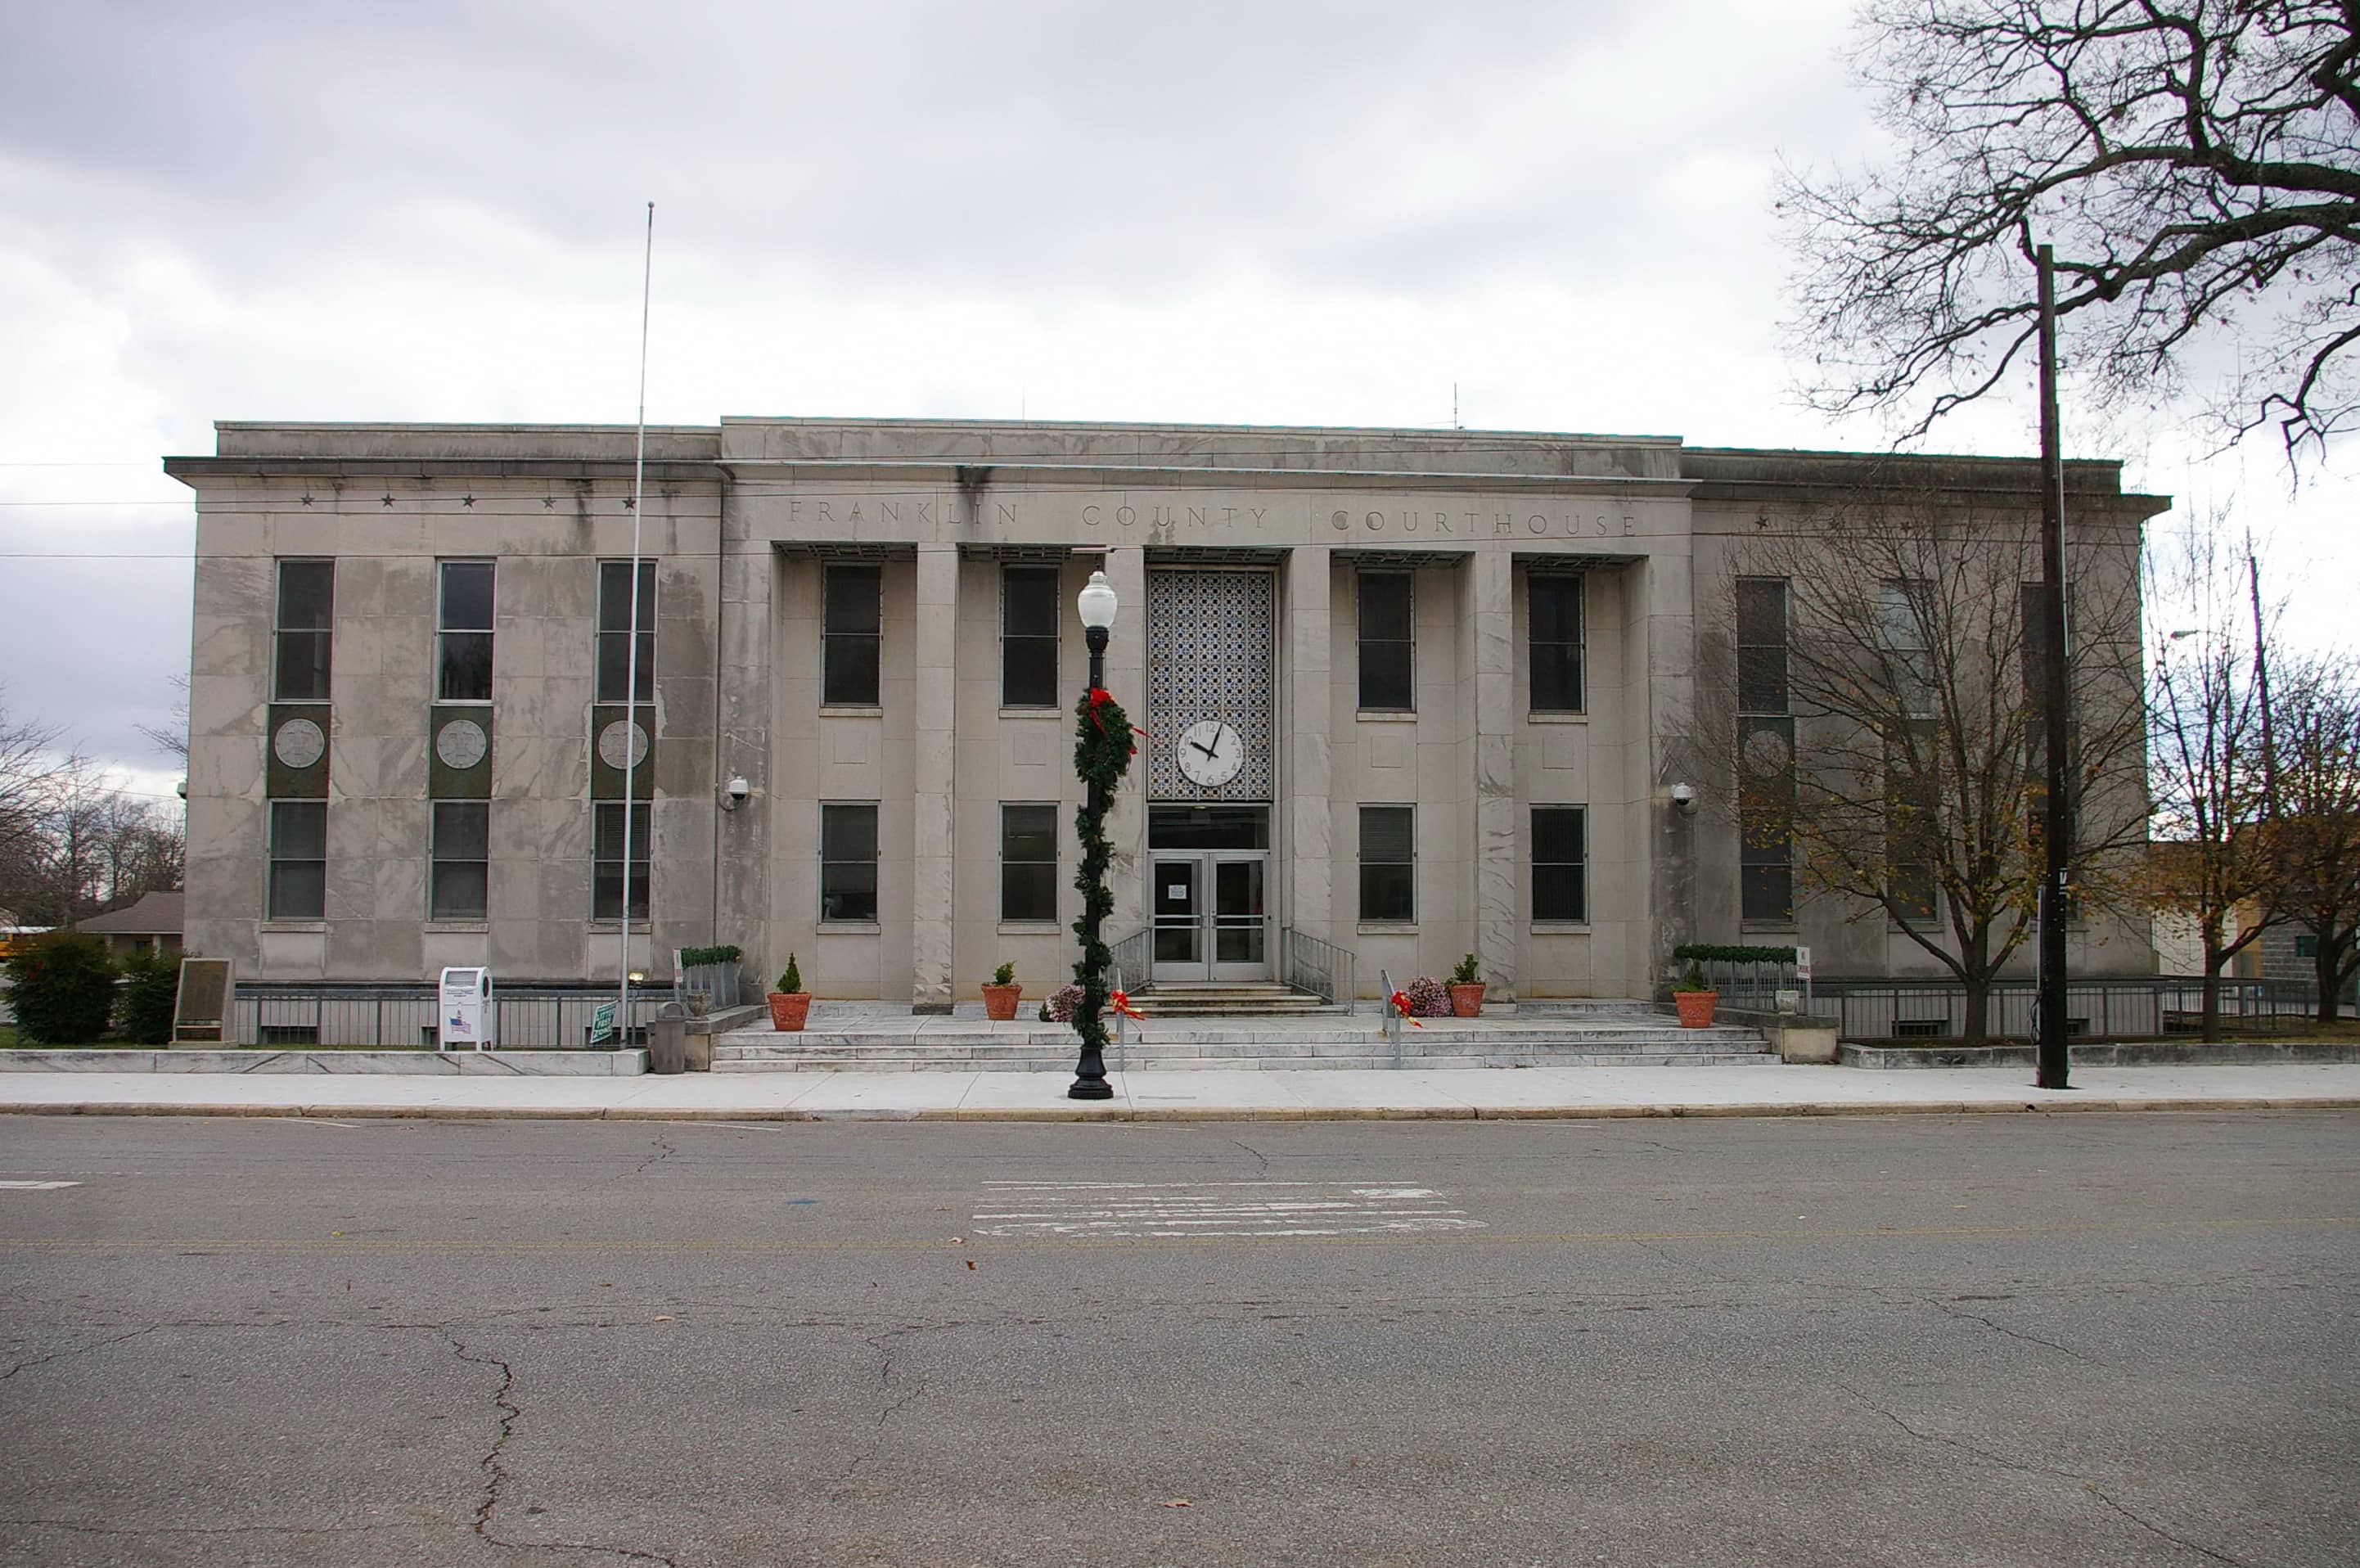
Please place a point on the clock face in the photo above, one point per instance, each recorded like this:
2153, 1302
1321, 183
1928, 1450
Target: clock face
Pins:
1210, 752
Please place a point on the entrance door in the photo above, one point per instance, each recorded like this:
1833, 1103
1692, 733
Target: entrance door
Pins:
1241, 926
1212, 919
1180, 951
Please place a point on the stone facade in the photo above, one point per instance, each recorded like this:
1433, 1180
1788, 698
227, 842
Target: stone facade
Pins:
744, 521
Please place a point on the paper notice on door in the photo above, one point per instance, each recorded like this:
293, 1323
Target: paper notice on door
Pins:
1176, 890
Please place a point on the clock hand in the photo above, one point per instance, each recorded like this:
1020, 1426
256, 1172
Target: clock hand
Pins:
1206, 749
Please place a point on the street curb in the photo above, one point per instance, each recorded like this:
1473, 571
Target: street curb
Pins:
1046, 1113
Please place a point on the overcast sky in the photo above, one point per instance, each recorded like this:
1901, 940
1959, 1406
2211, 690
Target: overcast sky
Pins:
1281, 212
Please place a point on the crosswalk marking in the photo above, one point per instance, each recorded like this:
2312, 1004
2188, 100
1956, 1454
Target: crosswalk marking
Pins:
1166, 1209
38, 1186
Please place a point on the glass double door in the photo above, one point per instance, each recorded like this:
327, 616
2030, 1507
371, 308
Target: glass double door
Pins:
1211, 914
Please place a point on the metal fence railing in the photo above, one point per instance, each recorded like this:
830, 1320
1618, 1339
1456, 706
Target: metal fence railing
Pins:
2125, 1005
1307, 963
388, 1016
1753, 985
1131, 957
722, 984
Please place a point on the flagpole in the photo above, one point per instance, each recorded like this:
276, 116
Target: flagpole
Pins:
631, 659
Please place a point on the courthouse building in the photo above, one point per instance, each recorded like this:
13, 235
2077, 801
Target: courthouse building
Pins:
1407, 695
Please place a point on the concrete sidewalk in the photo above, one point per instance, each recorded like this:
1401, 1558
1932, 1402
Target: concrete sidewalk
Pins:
1333, 1096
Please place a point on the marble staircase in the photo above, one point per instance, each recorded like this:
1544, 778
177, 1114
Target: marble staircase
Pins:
840, 1039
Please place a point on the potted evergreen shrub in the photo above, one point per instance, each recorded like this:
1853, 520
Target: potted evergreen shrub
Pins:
1695, 998
791, 1003
1001, 993
1467, 989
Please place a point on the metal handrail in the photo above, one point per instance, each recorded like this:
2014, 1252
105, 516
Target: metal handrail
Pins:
1315, 970
1129, 955
1393, 1014
1121, 1028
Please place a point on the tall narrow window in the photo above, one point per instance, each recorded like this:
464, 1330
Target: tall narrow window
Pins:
852, 634
306, 601
461, 884
1560, 863
1901, 609
298, 859
847, 861
1388, 864
1554, 630
1913, 803
1028, 863
1766, 756
606, 860
1028, 604
1387, 642
463, 632
615, 682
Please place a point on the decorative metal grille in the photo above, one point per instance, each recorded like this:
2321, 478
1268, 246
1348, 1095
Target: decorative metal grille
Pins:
1210, 648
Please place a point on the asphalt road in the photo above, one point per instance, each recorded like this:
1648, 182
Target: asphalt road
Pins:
2088, 1338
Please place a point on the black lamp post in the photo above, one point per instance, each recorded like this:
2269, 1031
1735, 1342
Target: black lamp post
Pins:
1097, 605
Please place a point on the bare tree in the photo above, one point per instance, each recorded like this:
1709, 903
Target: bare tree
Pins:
1914, 787
2196, 166
2214, 861
173, 737
2317, 741
30, 763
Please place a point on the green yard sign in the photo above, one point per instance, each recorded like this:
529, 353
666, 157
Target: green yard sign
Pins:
602, 1023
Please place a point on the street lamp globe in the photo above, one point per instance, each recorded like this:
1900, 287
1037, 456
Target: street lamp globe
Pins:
1097, 603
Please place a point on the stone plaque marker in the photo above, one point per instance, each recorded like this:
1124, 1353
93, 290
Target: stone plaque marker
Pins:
200, 1006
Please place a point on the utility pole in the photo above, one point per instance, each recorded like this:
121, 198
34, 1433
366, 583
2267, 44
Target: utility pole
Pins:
2050, 1046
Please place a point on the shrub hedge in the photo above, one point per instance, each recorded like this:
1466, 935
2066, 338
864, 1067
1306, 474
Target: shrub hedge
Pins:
143, 1003
63, 988
1711, 953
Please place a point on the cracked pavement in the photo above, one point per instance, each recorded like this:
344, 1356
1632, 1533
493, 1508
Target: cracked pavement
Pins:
2094, 1340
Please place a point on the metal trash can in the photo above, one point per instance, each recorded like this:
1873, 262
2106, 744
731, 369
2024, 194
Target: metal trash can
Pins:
668, 1039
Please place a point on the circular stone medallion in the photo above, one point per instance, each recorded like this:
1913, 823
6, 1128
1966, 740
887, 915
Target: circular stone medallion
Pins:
299, 743
622, 745
1766, 754
462, 743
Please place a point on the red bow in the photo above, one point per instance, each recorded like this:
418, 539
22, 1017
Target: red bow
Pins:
1121, 1002
1099, 697
1400, 1001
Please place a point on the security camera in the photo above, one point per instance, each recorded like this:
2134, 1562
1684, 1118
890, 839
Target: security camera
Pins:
181, 789
735, 792
1683, 798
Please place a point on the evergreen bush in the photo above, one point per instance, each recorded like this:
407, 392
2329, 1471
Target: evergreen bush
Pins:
143, 1003
63, 990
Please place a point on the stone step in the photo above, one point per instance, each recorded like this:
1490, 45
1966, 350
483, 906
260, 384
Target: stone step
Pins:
1064, 1061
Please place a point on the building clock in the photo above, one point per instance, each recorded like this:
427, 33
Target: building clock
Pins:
1210, 754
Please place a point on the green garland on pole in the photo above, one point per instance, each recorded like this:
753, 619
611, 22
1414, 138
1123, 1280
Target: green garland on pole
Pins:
1102, 753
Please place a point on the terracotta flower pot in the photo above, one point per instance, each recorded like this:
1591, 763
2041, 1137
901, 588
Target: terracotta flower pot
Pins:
789, 1009
999, 1001
1467, 998
1696, 1007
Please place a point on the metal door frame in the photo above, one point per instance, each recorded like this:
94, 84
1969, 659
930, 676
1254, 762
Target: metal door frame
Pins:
1204, 919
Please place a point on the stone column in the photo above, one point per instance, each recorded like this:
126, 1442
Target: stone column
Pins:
1304, 767
1488, 612
1662, 643
933, 747
1126, 677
